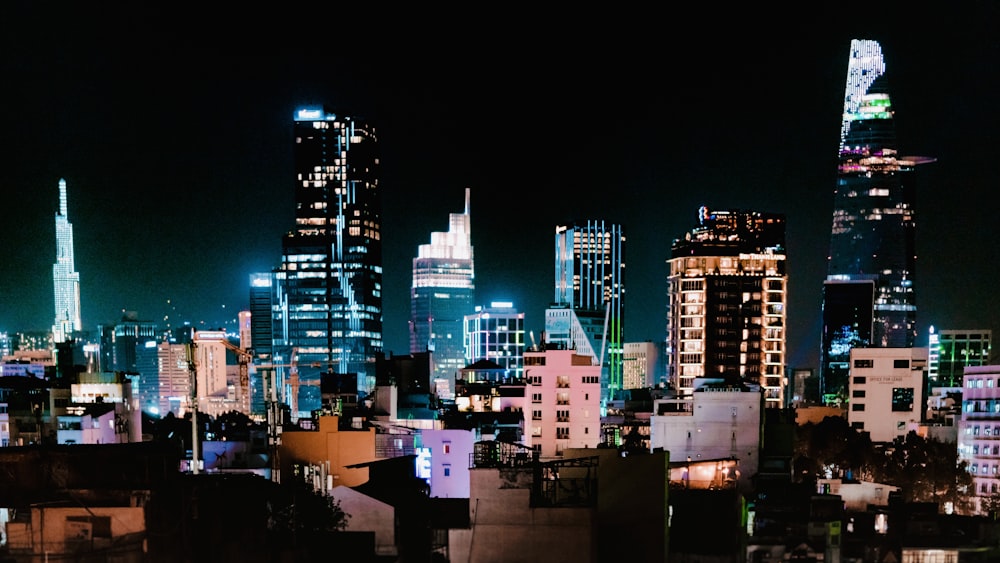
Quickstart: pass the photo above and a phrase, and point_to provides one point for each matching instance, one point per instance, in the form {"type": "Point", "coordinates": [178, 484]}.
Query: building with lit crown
{"type": "Point", "coordinates": [727, 292]}
{"type": "Point", "coordinates": [65, 278]}
{"type": "Point", "coordinates": [442, 294]}
{"type": "Point", "coordinates": [868, 295]}
{"type": "Point", "coordinates": [496, 333]}
{"type": "Point", "coordinates": [327, 291]}
{"type": "Point", "coordinates": [587, 312]}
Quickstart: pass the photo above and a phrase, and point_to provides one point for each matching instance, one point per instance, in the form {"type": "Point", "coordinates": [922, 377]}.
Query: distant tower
{"type": "Point", "coordinates": [496, 333]}
{"type": "Point", "coordinates": [727, 294]}
{"type": "Point", "coordinates": [587, 313]}
{"type": "Point", "coordinates": [868, 296]}
{"type": "Point", "coordinates": [65, 278]}
{"type": "Point", "coordinates": [951, 351]}
{"type": "Point", "coordinates": [442, 294]}
{"type": "Point", "coordinates": [327, 300]}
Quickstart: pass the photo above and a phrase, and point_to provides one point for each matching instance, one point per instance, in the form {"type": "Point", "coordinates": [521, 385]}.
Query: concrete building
{"type": "Point", "coordinates": [979, 428]}
{"type": "Point", "coordinates": [717, 421]}
{"type": "Point", "coordinates": [445, 455]}
{"type": "Point", "coordinates": [565, 401]}
{"type": "Point", "coordinates": [887, 391]}
{"type": "Point", "coordinates": [329, 445]}
{"type": "Point", "coordinates": [643, 365]}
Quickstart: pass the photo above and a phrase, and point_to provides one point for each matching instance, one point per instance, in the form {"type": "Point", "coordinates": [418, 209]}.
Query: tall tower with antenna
{"type": "Point", "coordinates": [65, 278]}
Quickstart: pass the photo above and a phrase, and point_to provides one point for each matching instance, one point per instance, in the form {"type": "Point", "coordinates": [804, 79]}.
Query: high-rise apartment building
{"type": "Point", "coordinates": [951, 351]}
{"type": "Point", "coordinates": [868, 295]}
{"type": "Point", "coordinates": [496, 333]}
{"type": "Point", "coordinates": [65, 278]}
{"type": "Point", "coordinates": [587, 312]}
{"type": "Point", "coordinates": [442, 294]}
{"type": "Point", "coordinates": [327, 300]}
{"type": "Point", "coordinates": [727, 291]}
{"type": "Point", "coordinates": [642, 365]}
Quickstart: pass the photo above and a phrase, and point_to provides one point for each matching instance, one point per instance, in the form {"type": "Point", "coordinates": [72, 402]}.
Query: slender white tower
{"type": "Point", "coordinates": [65, 278]}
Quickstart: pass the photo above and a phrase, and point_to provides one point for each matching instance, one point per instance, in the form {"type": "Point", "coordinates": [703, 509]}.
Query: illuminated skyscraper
{"type": "Point", "coordinates": [442, 294]}
{"type": "Point", "coordinates": [951, 351]}
{"type": "Point", "coordinates": [868, 296]}
{"type": "Point", "coordinates": [587, 313]}
{"type": "Point", "coordinates": [496, 333]}
{"type": "Point", "coordinates": [327, 301]}
{"type": "Point", "coordinates": [65, 278]}
{"type": "Point", "coordinates": [727, 290]}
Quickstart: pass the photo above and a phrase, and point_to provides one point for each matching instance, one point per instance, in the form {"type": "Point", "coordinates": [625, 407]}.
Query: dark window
{"type": "Point", "coordinates": [902, 399]}
{"type": "Point", "coordinates": [858, 394]}
{"type": "Point", "coordinates": [864, 363]}
{"type": "Point", "coordinates": [901, 363]}
{"type": "Point", "coordinates": [857, 406]}
{"type": "Point", "coordinates": [858, 425]}
{"type": "Point", "coordinates": [860, 380]}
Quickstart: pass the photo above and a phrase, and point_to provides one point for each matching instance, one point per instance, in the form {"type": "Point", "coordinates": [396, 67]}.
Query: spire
{"type": "Point", "coordinates": [62, 198]}
{"type": "Point", "coordinates": [466, 201]}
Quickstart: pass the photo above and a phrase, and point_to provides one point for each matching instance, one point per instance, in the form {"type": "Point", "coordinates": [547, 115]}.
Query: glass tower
{"type": "Point", "coordinates": [951, 351]}
{"type": "Point", "coordinates": [496, 333]}
{"type": "Point", "coordinates": [868, 295]}
{"type": "Point", "coordinates": [327, 301]}
{"type": "Point", "coordinates": [587, 313]}
{"type": "Point", "coordinates": [65, 278]}
{"type": "Point", "coordinates": [442, 294]}
{"type": "Point", "coordinates": [727, 291]}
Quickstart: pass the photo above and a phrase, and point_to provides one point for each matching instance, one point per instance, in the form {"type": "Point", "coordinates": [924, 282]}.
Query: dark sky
{"type": "Point", "coordinates": [175, 140]}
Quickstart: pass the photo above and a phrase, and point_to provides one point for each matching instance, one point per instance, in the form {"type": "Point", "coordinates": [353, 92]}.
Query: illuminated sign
{"type": "Point", "coordinates": [423, 463]}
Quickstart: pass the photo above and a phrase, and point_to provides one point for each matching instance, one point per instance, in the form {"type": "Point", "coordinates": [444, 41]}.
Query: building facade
{"type": "Point", "coordinates": [888, 391]}
{"type": "Point", "coordinates": [951, 351]}
{"type": "Point", "coordinates": [65, 278]}
{"type": "Point", "coordinates": [979, 429]}
{"type": "Point", "coordinates": [442, 294]}
{"type": "Point", "coordinates": [588, 307]}
{"type": "Point", "coordinates": [868, 295]}
{"type": "Point", "coordinates": [496, 333]}
{"type": "Point", "coordinates": [327, 300]}
{"type": "Point", "coordinates": [643, 365]}
{"type": "Point", "coordinates": [565, 401]}
{"type": "Point", "coordinates": [727, 292]}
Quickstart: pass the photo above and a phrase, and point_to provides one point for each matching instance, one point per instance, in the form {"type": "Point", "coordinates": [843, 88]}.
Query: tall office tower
{"type": "Point", "coordinates": [128, 335]}
{"type": "Point", "coordinates": [587, 314]}
{"type": "Point", "coordinates": [643, 365]}
{"type": "Point", "coordinates": [951, 351]}
{"type": "Point", "coordinates": [868, 295]}
{"type": "Point", "coordinates": [496, 333]}
{"type": "Point", "coordinates": [727, 291]}
{"type": "Point", "coordinates": [260, 340]}
{"type": "Point", "coordinates": [442, 294]}
{"type": "Point", "coordinates": [65, 278]}
{"type": "Point", "coordinates": [328, 288]}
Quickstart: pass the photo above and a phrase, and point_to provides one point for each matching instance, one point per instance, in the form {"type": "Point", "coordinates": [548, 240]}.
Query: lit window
{"type": "Point", "coordinates": [446, 448]}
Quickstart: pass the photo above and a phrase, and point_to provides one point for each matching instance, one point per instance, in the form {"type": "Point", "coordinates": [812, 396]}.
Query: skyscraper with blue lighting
{"type": "Point", "coordinates": [587, 312]}
{"type": "Point", "coordinates": [868, 296]}
{"type": "Point", "coordinates": [442, 294]}
{"type": "Point", "coordinates": [327, 292]}
{"type": "Point", "coordinates": [65, 278]}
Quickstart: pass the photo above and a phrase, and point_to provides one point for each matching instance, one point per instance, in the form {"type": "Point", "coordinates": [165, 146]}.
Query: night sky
{"type": "Point", "coordinates": [176, 142]}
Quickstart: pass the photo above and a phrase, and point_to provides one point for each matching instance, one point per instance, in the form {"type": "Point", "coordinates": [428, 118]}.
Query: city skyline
{"type": "Point", "coordinates": [181, 176]}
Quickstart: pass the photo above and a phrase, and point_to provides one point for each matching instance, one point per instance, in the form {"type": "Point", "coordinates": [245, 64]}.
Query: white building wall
{"type": "Point", "coordinates": [710, 424]}
{"type": "Point", "coordinates": [886, 387]}
{"type": "Point", "coordinates": [565, 401]}
{"type": "Point", "coordinates": [451, 452]}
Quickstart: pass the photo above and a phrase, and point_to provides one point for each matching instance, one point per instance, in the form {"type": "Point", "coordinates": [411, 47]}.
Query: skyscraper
{"type": "Point", "coordinates": [442, 294]}
{"type": "Point", "coordinates": [496, 333]}
{"type": "Point", "coordinates": [727, 291]}
{"type": "Point", "coordinates": [327, 301]}
{"type": "Point", "coordinates": [65, 278]}
{"type": "Point", "coordinates": [951, 351]}
{"type": "Point", "coordinates": [587, 313]}
{"type": "Point", "coordinates": [868, 295]}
